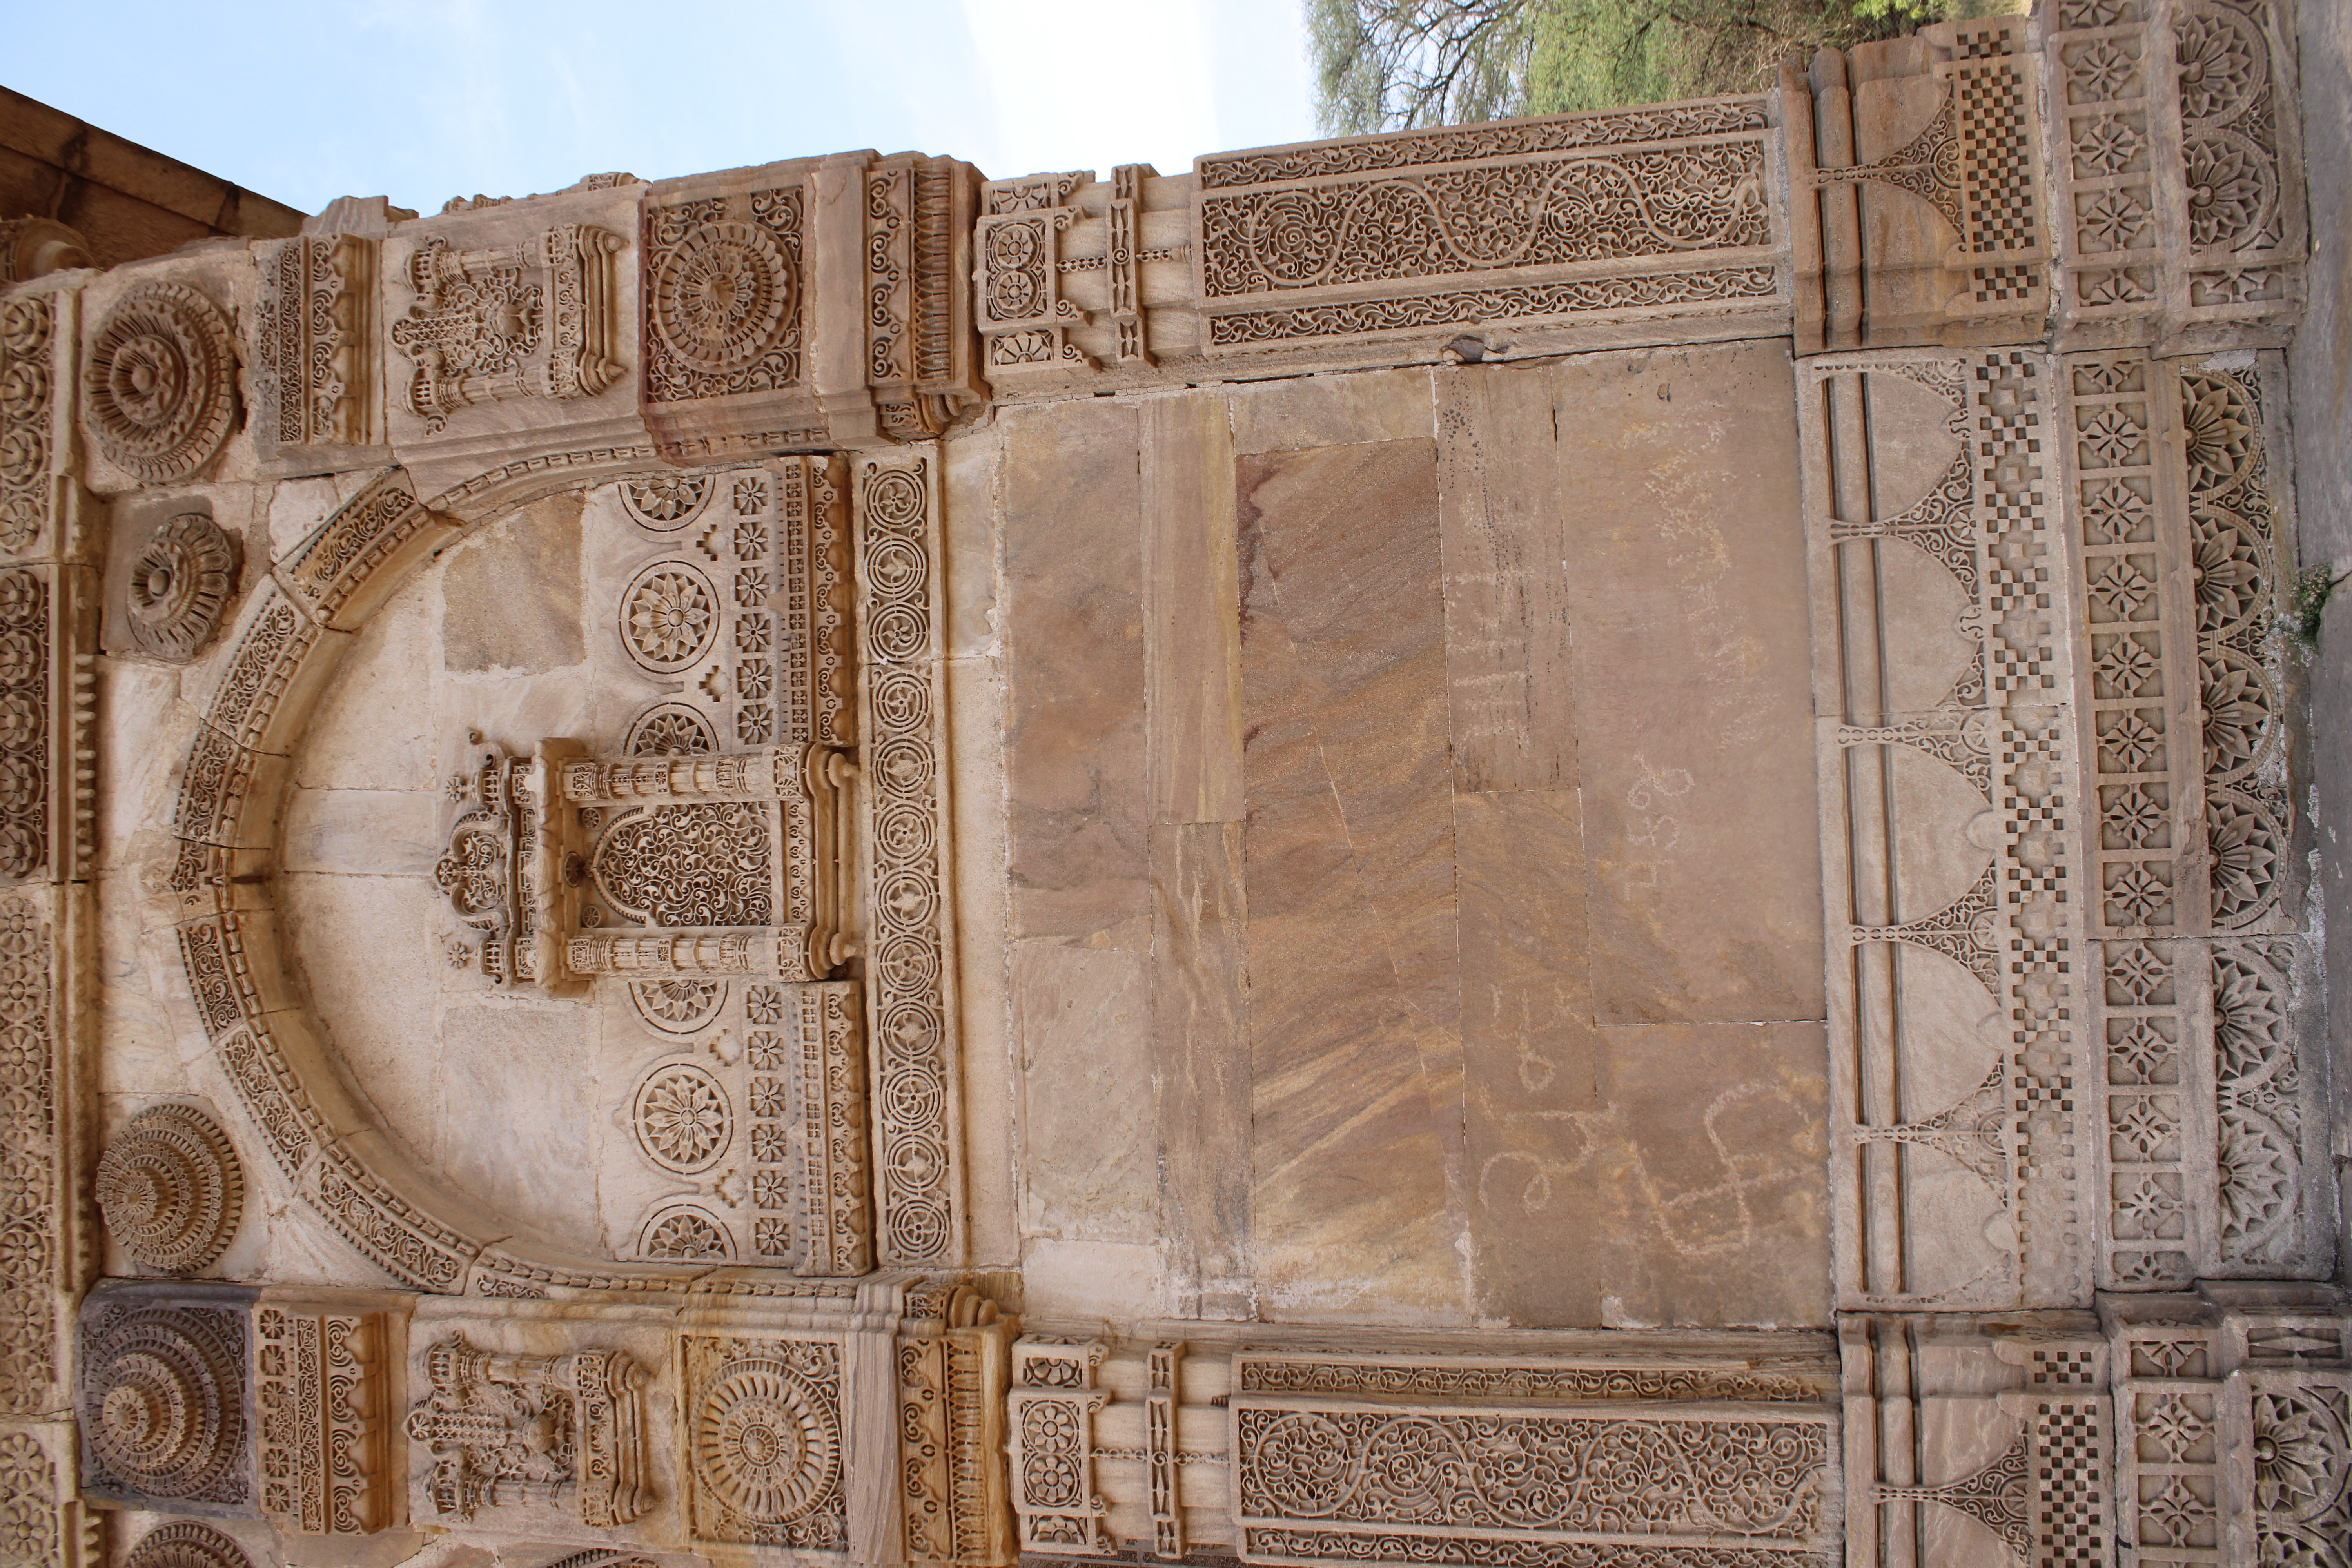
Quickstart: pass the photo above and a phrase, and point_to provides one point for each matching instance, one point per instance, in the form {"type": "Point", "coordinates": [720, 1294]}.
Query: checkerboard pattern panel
{"type": "Point", "coordinates": [2069, 1486]}
{"type": "Point", "coordinates": [1999, 155]}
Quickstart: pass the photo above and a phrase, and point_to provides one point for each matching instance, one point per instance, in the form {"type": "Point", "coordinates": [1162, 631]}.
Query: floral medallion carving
{"type": "Point", "coordinates": [171, 1189]}
{"type": "Point", "coordinates": [683, 1118]}
{"type": "Point", "coordinates": [670, 617]}
{"type": "Point", "coordinates": [765, 1442]}
{"type": "Point", "coordinates": [29, 1519]}
{"type": "Point", "coordinates": [721, 295]}
{"type": "Point", "coordinates": [670, 730]}
{"type": "Point", "coordinates": [163, 1403]}
{"type": "Point", "coordinates": [186, 1544]}
{"type": "Point", "coordinates": [685, 1234]}
{"type": "Point", "coordinates": [179, 586]}
{"type": "Point", "coordinates": [677, 1005]}
{"type": "Point", "coordinates": [665, 503]}
{"type": "Point", "coordinates": [161, 386]}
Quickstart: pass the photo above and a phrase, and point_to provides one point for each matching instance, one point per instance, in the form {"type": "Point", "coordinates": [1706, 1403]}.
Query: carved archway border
{"type": "Point", "coordinates": [289, 639]}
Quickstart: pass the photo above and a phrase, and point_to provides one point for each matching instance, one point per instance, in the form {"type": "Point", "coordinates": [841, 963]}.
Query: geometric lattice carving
{"type": "Point", "coordinates": [171, 1189]}
{"type": "Point", "coordinates": [1050, 1417]}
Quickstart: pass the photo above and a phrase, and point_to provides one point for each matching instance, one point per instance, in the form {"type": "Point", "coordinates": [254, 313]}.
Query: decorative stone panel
{"type": "Point", "coordinates": [506, 1429]}
{"type": "Point", "coordinates": [1975, 1441]}
{"type": "Point", "coordinates": [1919, 207]}
{"type": "Point", "coordinates": [184, 1543]}
{"type": "Point", "coordinates": [159, 382]}
{"type": "Point", "coordinates": [317, 378]}
{"type": "Point", "coordinates": [768, 1438]}
{"type": "Point", "coordinates": [325, 1392]}
{"type": "Point", "coordinates": [171, 1188]}
{"type": "Point", "coordinates": [163, 1396]}
{"type": "Point", "coordinates": [2177, 162]}
{"type": "Point", "coordinates": [48, 757]}
{"type": "Point", "coordinates": [910, 965]}
{"type": "Point", "coordinates": [37, 369]}
{"type": "Point", "coordinates": [952, 1378]}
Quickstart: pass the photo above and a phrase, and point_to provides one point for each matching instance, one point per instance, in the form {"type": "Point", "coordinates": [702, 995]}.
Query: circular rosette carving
{"type": "Point", "coordinates": [2233, 190]}
{"type": "Point", "coordinates": [723, 297]}
{"type": "Point", "coordinates": [670, 617]}
{"type": "Point", "coordinates": [665, 503]}
{"type": "Point", "coordinates": [767, 1445]}
{"type": "Point", "coordinates": [171, 1189]}
{"type": "Point", "coordinates": [894, 500]}
{"type": "Point", "coordinates": [180, 585]}
{"type": "Point", "coordinates": [2232, 569]}
{"type": "Point", "coordinates": [2222, 63]}
{"type": "Point", "coordinates": [2219, 423]}
{"type": "Point", "coordinates": [2239, 708]}
{"type": "Point", "coordinates": [2303, 1468]}
{"type": "Point", "coordinates": [2248, 852]}
{"type": "Point", "coordinates": [186, 1544]}
{"type": "Point", "coordinates": [670, 730]}
{"type": "Point", "coordinates": [685, 1235]}
{"type": "Point", "coordinates": [683, 1118]}
{"type": "Point", "coordinates": [161, 383]}
{"type": "Point", "coordinates": [1015, 275]}
{"type": "Point", "coordinates": [161, 1403]}
{"type": "Point", "coordinates": [676, 1006]}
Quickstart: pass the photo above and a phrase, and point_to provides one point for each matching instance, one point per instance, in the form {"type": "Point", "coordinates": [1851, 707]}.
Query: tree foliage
{"type": "Point", "coordinates": [1392, 64]}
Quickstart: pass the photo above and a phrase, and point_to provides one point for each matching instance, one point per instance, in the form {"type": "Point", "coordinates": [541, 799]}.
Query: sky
{"type": "Point", "coordinates": [425, 99]}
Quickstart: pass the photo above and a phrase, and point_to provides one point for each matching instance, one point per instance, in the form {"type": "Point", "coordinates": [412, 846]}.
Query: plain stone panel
{"type": "Point", "coordinates": [1202, 1064]}
{"type": "Point", "coordinates": [390, 833]}
{"type": "Point", "coordinates": [512, 1059]}
{"type": "Point", "coordinates": [1345, 409]}
{"type": "Point", "coordinates": [375, 727]}
{"type": "Point", "coordinates": [511, 598]}
{"type": "Point", "coordinates": [1082, 1023]}
{"type": "Point", "coordinates": [1355, 1052]}
{"type": "Point", "coordinates": [1688, 603]}
{"type": "Point", "coordinates": [1074, 669]}
{"type": "Point", "coordinates": [1508, 636]}
{"type": "Point", "coordinates": [1193, 619]}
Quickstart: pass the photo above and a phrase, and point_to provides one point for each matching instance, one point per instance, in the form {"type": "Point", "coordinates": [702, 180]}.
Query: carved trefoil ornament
{"type": "Point", "coordinates": [533, 319]}
{"type": "Point", "coordinates": [162, 1399]}
{"type": "Point", "coordinates": [171, 1188]}
{"type": "Point", "coordinates": [324, 1411]}
{"type": "Point", "coordinates": [316, 372]}
{"type": "Point", "coordinates": [159, 387]}
{"type": "Point", "coordinates": [506, 1430]}
{"type": "Point", "coordinates": [767, 1443]}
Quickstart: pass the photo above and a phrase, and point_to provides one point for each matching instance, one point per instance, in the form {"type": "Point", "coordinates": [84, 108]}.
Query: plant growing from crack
{"type": "Point", "coordinates": [2313, 586]}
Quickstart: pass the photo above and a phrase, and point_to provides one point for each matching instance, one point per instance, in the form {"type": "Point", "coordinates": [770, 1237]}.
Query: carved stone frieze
{"type": "Point", "coordinates": [30, 457]}
{"type": "Point", "coordinates": [767, 1441]}
{"type": "Point", "coordinates": [49, 782]}
{"type": "Point", "coordinates": [171, 1188]}
{"type": "Point", "coordinates": [159, 386]}
{"type": "Point", "coordinates": [504, 1429]}
{"type": "Point", "coordinates": [1964, 1434]}
{"type": "Point", "coordinates": [323, 1410]}
{"type": "Point", "coordinates": [164, 1400]}
{"type": "Point", "coordinates": [908, 966]}
{"type": "Point", "coordinates": [316, 371]}
{"type": "Point", "coordinates": [953, 1373]}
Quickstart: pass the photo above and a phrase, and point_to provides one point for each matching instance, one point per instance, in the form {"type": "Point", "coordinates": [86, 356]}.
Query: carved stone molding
{"type": "Point", "coordinates": [34, 248]}
{"type": "Point", "coordinates": [1957, 1426]}
{"type": "Point", "coordinates": [953, 1372]}
{"type": "Point", "coordinates": [767, 1441]}
{"type": "Point", "coordinates": [162, 1397]}
{"type": "Point", "coordinates": [316, 371]}
{"type": "Point", "coordinates": [186, 1544]}
{"type": "Point", "coordinates": [31, 453]}
{"type": "Point", "coordinates": [504, 1429]}
{"type": "Point", "coordinates": [44, 1234]}
{"type": "Point", "coordinates": [171, 1189]}
{"type": "Point", "coordinates": [323, 1408]}
{"type": "Point", "coordinates": [160, 385]}
{"type": "Point", "coordinates": [2179, 167]}
{"type": "Point", "coordinates": [909, 964]}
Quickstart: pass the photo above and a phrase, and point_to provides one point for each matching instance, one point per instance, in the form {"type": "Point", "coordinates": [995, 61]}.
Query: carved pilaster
{"type": "Point", "coordinates": [1049, 1419]}
{"type": "Point", "coordinates": [953, 1370]}
{"type": "Point", "coordinates": [325, 1386]}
